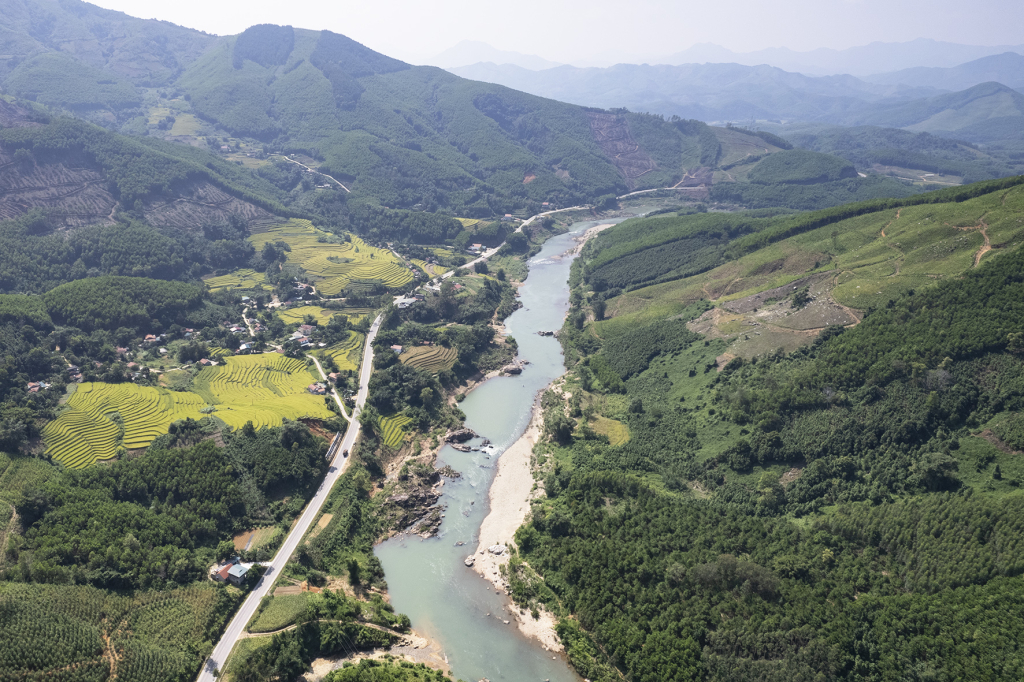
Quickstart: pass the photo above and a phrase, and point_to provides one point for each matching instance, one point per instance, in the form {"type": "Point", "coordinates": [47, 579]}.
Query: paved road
{"type": "Point", "coordinates": [334, 391]}
{"type": "Point", "coordinates": [338, 463]}
{"type": "Point", "coordinates": [236, 627]}
{"type": "Point", "coordinates": [490, 252]}
{"type": "Point", "coordinates": [314, 170]}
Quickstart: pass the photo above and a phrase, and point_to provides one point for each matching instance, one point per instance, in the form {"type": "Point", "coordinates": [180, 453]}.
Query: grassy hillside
{"type": "Point", "coordinates": [815, 483]}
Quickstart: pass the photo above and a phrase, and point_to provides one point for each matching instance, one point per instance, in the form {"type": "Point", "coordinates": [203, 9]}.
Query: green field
{"type": "Point", "coordinates": [263, 389]}
{"type": "Point", "coordinates": [867, 260]}
{"type": "Point", "coordinates": [333, 265]}
{"type": "Point", "coordinates": [280, 612]}
{"type": "Point", "coordinates": [392, 429]}
{"type": "Point", "coordinates": [239, 279]}
{"type": "Point", "coordinates": [431, 269]}
{"type": "Point", "coordinates": [617, 432]}
{"type": "Point", "coordinates": [429, 358]}
{"type": "Point", "coordinates": [346, 355]}
{"type": "Point", "coordinates": [321, 315]}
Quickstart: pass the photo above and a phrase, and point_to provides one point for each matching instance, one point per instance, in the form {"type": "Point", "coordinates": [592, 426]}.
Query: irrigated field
{"type": "Point", "coordinates": [429, 358]}
{"type": "Point", "coordinates": [331, 264]}
{"type": "Point", "coordinates": [239, 279]}
{"type": "Point", "coordinates": [392, 429]}
{"type": "Point", "coordinates": [262, 389]}
{"type": "Point", "coordinates": [346, 355]}
{"type": "Point", "coordinates": [322, 315]}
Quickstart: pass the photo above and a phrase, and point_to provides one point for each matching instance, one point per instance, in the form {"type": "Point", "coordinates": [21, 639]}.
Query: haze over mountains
{"type": "Point", "coordinates": [987, 110]}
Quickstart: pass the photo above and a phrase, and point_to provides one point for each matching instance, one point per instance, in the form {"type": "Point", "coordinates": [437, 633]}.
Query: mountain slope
{"type": "Point", "coordinates": [1006, 68]}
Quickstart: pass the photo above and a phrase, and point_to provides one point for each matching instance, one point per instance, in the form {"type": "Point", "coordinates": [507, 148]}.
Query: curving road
{"type": "Point", "coordinates": [339, 461]}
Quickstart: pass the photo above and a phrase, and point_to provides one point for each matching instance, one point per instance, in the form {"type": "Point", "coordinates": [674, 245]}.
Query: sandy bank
{"type": "Point", "coordinates": [509, 500]}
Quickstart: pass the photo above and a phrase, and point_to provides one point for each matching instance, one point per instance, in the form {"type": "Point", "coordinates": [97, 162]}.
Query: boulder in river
{"type": "Point", "coordinates": [459, 435]}
{"type": "Point", "coordinates": [470, 561]}
{"type": "Point", "coordinates": [512, 369]}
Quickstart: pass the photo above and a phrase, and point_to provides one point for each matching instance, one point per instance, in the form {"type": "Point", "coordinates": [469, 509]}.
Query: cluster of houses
{"type": "Point", "coordinates": [475, 248]}
{"type": "Point", "coordinates": [317, 389]}
{"type": "Point", "coordinates": [36, 386]}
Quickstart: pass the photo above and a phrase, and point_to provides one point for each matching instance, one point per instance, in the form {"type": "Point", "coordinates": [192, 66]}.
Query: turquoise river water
{"type": "Point", "coordinates": [427, 579]}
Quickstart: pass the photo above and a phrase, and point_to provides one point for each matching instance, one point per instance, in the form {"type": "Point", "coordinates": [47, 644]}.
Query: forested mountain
{"type": "Point", "coordinates": [809, 478]}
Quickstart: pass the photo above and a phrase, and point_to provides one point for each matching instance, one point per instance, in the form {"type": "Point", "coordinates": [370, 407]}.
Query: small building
{"type": "Point", "coordinates": [133, 365]}
{"type": "Point", "coordinates": [245, 348]}
{"type": "Point", "coordinates": [162, 351]}
{"type": "Point", "coordinates": [507, 218]}
{"type": "Point", "coordinates": [397, 349]}
{"type": "Point", "coordinates": [221, 574]}
{"type": "Point", "coordinates": [306, 329]}
{"type": "Point", "coordinates": [33, 387]}
{"type": "Point", "coordinates": [245, 299]}
{"type": "Point", "coordinates": [237, 573]}
{"type": "Point", "coordinates": [334, 376]}
{"type": "Point", "coordinates": [317, 389]}
{"type": "Point", "coordinates": [149, 340]}
{"type": "Point", "coordinates": [205, 363]}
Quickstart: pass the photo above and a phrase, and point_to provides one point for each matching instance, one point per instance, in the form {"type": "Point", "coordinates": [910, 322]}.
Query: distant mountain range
{"type": "Point", "coordinates": [985, 110]}
{"type": "Point", "coordinates": [862, 60]}
{"type": "Point", "coordinates": [1006, 68]}
{"type": "Point", "coordinates": [475, 51]}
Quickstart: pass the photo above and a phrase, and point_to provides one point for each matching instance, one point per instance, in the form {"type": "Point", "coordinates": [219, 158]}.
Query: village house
{"type": "Point", "coordinates": [317, 389]}
{"type": "Point", "coordinates": [306, 329]}
{"type": "Point", "coordinates": [237, 573]}
{"type": "Point", "coordinates": [206, 363]}
{"type": "Point", "coordinates": [397, 349]}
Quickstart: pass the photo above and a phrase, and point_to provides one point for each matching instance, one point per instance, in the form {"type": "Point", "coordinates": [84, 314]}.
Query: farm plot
{"type": "Point", "coordinates": [239, 279]}
{"type": "Point", "coordinates": [321, 315]}
{"type": "Point", "coordinates": [392, 429]}
{"type": "Point", "coordinates": [331, 263]}
{"type": "Point", "coordinates": [432, 270]}
{"type": "Point", "coordinates": [85, 433]}
{"type": "Point", "coordinates": [429, 358]}
{"type": "Point", "coordinates": [347, 354]}
{"type": "Point", "coordinates": [263, 389]}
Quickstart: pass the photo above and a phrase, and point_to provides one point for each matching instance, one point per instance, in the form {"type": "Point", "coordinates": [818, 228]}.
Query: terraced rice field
{"type": "Point", "coordinates": [332, 265]}
{"type": "Point", "coordinates": [83, 434]}
{"type": "Point", "coordinates": [262, 389]}
{"type": "Point", "coordinates": [441, 253]}
{"type": "Point", "coordinates": [298, 315]}
{"type": "Point", "coordinates": [429, 358]}
{"type": "Point", "coordinates": [431, 270]}
{"type": "Point", "coordinates": [347, 354]}
{"type": "Point", "coordinates": [392, 429]}
{"type": "Point", "coordinates": [239, 279]}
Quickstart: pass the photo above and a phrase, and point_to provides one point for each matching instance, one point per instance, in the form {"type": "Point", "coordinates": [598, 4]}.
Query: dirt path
{"type": "Point", "coordinates": [982, 227]}
{"type": "Point", "coordinates": [334, 391]}
{"type": "Point", "coordinates": [372, 626]}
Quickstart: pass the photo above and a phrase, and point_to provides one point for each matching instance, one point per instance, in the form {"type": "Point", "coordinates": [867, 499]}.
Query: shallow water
{"type": "Point", "coordinates": [427, 579]}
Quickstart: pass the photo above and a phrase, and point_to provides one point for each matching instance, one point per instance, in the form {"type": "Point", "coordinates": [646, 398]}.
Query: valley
{"type": "Point", "coordinates": [317, 364]}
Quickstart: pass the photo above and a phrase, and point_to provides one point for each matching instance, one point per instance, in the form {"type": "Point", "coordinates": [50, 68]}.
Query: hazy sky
{"type": "Point", "coordinates": [574, 31]}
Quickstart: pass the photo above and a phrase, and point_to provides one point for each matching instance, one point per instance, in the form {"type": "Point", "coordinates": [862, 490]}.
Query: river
{"type": "Point", "coordinates": [427, 579]}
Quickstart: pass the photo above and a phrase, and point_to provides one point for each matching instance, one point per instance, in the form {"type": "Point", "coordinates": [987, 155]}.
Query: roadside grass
{"type": "Point", "coordinates": [279, 613]}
